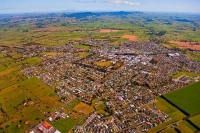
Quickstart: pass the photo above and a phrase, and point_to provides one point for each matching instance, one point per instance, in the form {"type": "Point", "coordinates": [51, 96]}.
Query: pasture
{"type": "Point", "coordinates": [186, 98]}
{"type": "Point", "coordinates": [26, 101]}
{"type": "Point", "coordinates": [196, 120]}
{"type": "Point", "coordinates": [30, 61]}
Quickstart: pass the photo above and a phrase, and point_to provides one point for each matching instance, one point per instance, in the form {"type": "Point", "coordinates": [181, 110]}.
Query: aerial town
{"type": "Point", "coordinates": [99, 66]}
{"type": "Point", "coordinates": [126, 78]}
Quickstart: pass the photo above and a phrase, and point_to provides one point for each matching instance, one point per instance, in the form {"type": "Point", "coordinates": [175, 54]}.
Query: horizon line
{"type": "Point", "coordinates": [98, 11]}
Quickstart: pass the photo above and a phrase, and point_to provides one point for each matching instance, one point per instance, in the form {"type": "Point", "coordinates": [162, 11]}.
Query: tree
{"type": "Point", "coordinates": [161, 33]}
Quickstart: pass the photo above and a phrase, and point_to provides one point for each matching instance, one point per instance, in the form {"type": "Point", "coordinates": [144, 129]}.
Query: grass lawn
{"type": "Point", "coordinates": [196, 120]}
{"type": "Point", "coordinates": [187, 98]}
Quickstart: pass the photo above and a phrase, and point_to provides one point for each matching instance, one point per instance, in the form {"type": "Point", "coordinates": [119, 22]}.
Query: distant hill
{"type": "Point", "coordinates": [86, 14]}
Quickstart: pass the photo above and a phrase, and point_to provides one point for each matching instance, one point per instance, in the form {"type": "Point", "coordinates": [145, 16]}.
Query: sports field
{"type": "Point", "coordinates": [186, 98]}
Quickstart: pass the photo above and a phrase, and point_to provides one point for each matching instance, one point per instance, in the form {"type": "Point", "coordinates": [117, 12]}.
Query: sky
{"type": "Point", "coordinates": [28, 6]}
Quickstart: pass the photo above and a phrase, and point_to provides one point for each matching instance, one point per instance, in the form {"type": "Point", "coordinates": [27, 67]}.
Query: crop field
{"type": "Point", "coordinates": [191, 45]}
{"type": "Point", "coordinates": [130, 37]}
{"type": "Point", "coordinates": [186, 98]}
{"type": "Point", "coordinates": [11, 79]}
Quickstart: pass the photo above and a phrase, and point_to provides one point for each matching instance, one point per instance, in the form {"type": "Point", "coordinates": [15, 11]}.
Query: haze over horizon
{"type": "Point", "coordinates": [29, 6]}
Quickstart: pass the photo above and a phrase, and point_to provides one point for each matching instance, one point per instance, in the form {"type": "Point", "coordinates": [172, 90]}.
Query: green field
{"type": "Point", "coordinates": [185, 127]}
{"type": "Point", "coordinates": [30, 61]}
{"type": "Point", "coordinates": [196, 120]}
{"type": "Point", "coordinates": [173, 112]}
{"type": "Point", "coordinates": [82, 47]}
{"type": "Point", "coordinates": [76, 111]}
{"type": "Point", "coordinates": [38, 98]}
{"type": "Point", "coordinates": [186, 98]}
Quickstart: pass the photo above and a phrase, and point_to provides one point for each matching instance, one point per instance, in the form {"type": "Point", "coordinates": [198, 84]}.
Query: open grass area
{"type": "Point", "coordinates": [82, 54]}
{"type": "Point", "coordinates": [52, 53]}
{"type": "Point", "coordinates": [82, 47]}
{"type": "Point", "coordinates": [186, 98]}
{"type": "Point", "coordinates": [26, 101]}
{"type": "Point", "coordinates": [16, 56]}
{"type": "Point", "coordinates": [103, 63]}
{"type": "Point", "coordinates": [83, 108]}
{"type": "Point", "coordinates": [196, 120]}
{"type": "Point", "coordinates": [99, 105]}
{"type": "Point", "coordinates": [65, 125]}
{"type": "Point", "coordinates": [190, 74]}
{"type": "Point", "coordinates": [76, 111]}
{"type": "Point", "coordinates": [30, 61]}
{"type": "Point", "coordinates": [195, 56]}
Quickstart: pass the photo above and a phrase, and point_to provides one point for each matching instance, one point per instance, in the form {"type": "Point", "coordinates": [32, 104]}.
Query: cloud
{"type": "Point", "coordinates": [86, 1]}
{"type": "Point", "coordinates": [123, 2]}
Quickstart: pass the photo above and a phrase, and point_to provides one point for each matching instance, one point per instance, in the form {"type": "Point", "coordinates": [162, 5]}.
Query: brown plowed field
{"type": "Point", "coordinates": [191, 45]}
